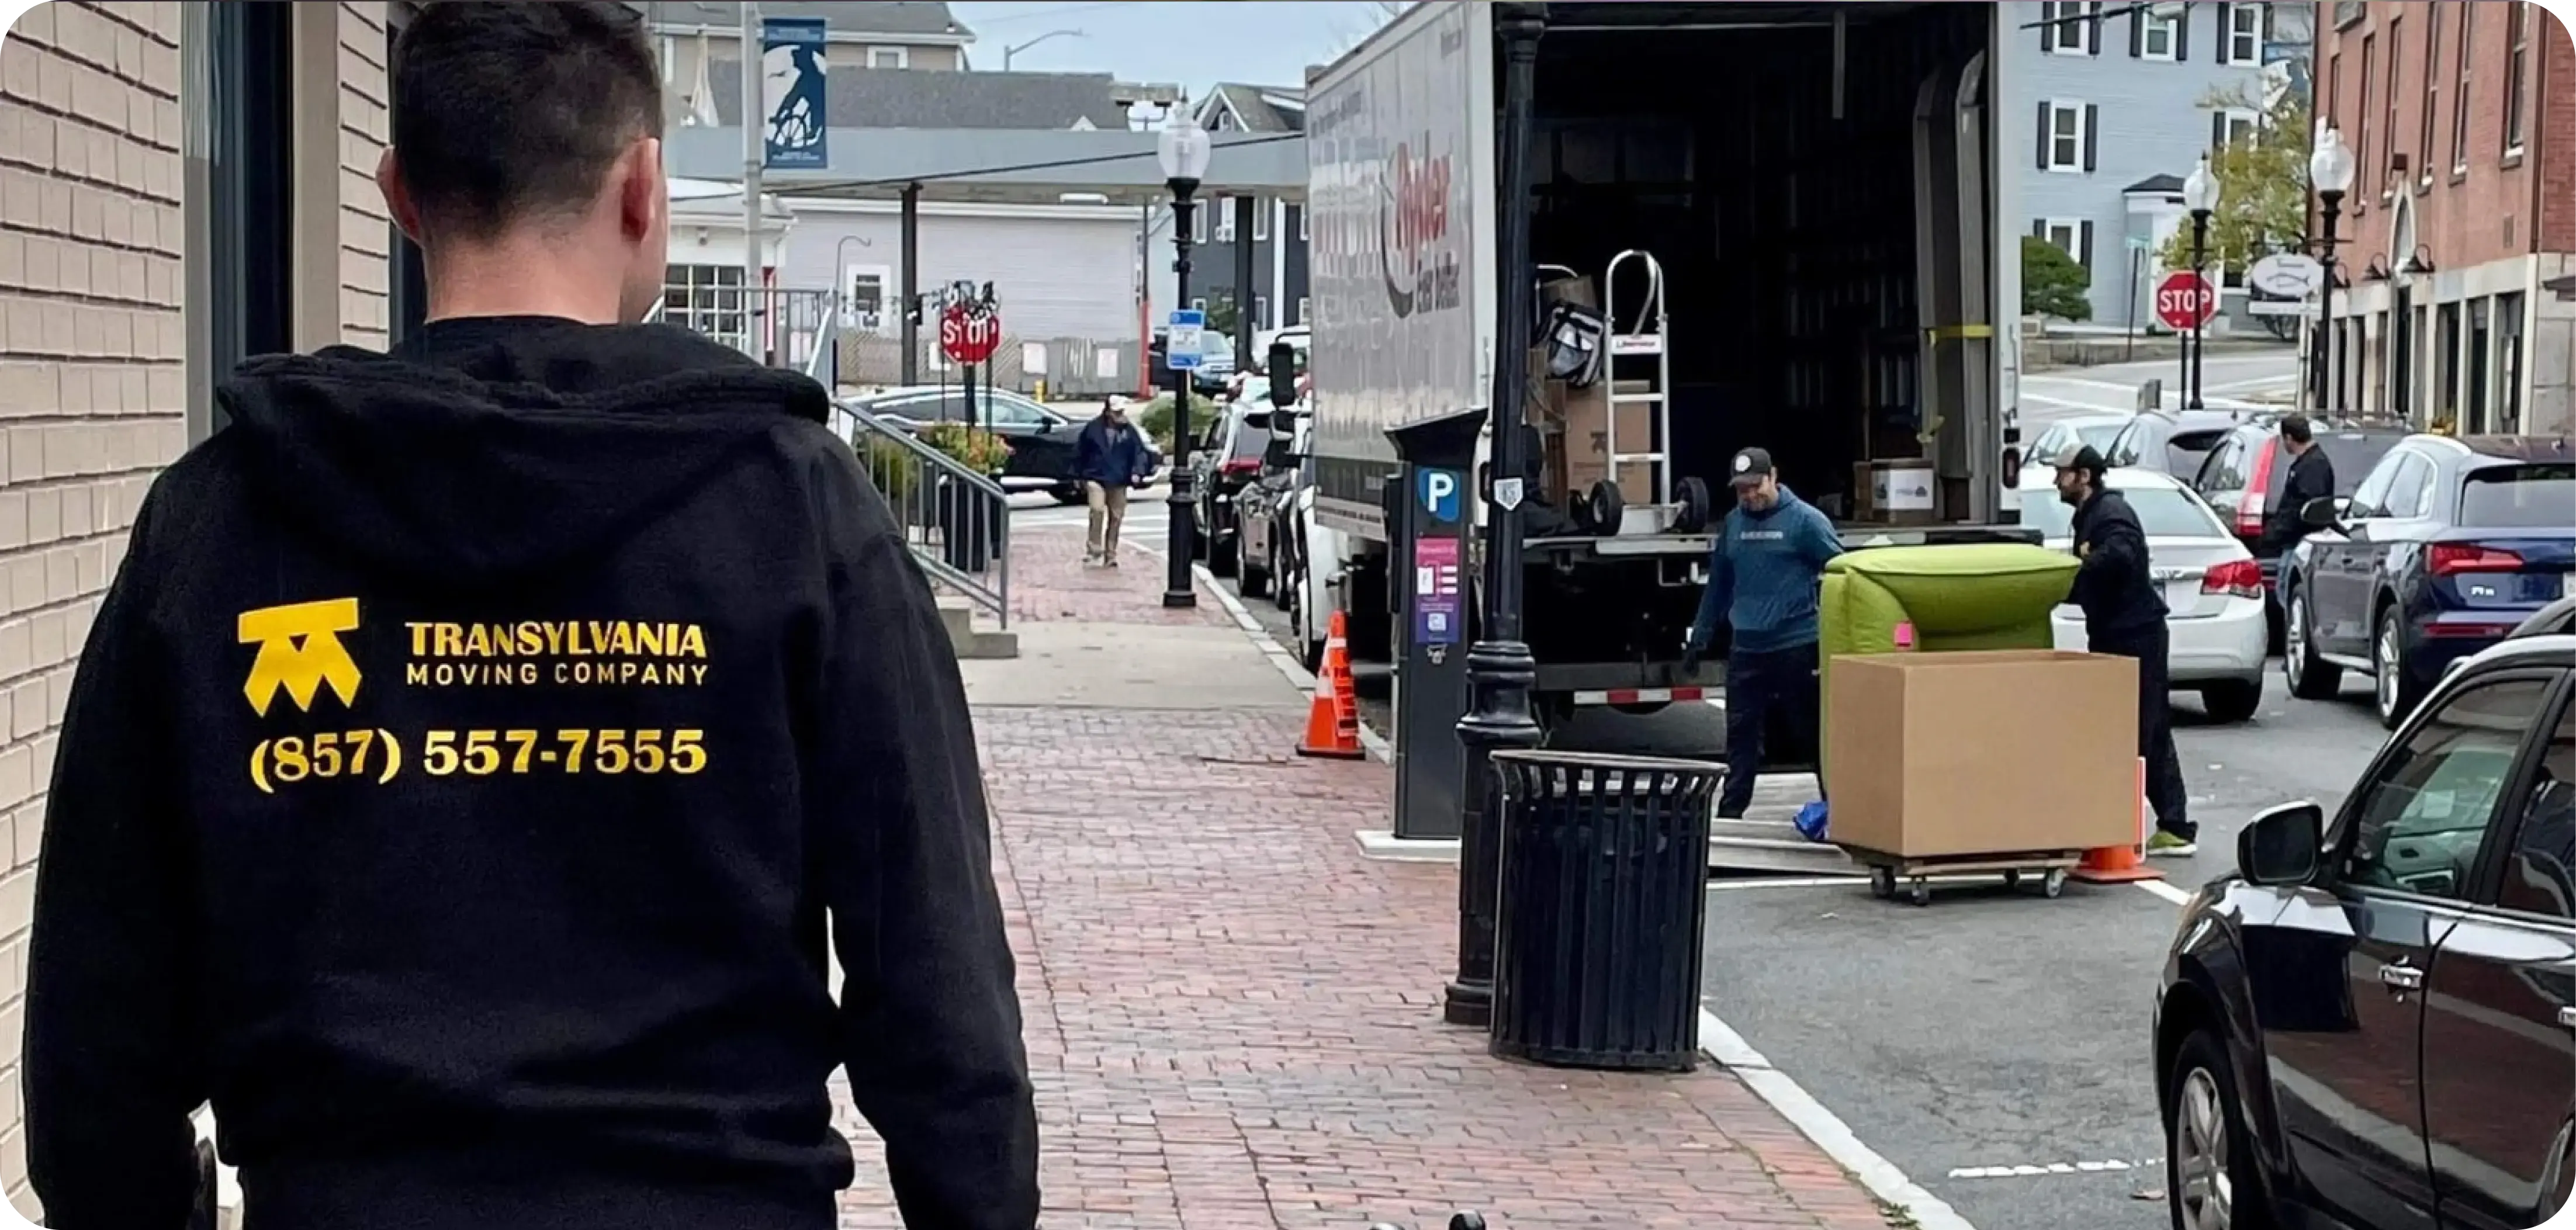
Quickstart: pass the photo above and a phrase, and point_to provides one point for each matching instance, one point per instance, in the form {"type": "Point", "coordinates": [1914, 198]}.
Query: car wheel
{"type": "Point", "coordinates": [2211, 1179]}
{"type": "Point", "coordinates": [2232, 700]}
{"type": "Point", "coordinates": [2309, 678]}
{"type": "Point", "coordinates": [1251, 582]}
{"type": "Point", "coordinates": [1069, 496]}
{"type": "Point", "coordinates": [2393, 694]}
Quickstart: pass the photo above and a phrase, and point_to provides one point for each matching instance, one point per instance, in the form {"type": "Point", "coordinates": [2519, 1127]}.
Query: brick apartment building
{"type": "Point", "coordinates": [181, 185]}
{"type": "Point", "coordinates": [2459, 252]}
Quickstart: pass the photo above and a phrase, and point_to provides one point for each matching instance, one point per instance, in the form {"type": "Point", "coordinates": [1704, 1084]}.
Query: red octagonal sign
{"type": "Point", "coordinates": [2185, 299]}
{"type": "Point", "coordinates": [969, 334]}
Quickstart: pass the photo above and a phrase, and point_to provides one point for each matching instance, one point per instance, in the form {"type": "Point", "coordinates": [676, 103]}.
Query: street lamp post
{"type": "Point", "coordinates": [2200, 196]}
{"type": "Point", "coordinates": [1500, 670]}
{"type": "Point", "coordinates": [2330, 171]}
{"type": "Point", "coordinates": [1017, 48]}
{"type": "Point", "coordinates": [1182, 147]}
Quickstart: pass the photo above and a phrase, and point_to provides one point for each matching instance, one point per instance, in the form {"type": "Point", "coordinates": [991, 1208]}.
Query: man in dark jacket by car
{"type": "Point", "coordinates": [2124, 615]}
{"type": "Point", "coordinates": [487, 749]}
{"type": "Point", "coordinates": [1109, 457]}
{"type": "Point", "coordinates": [2311, 477]}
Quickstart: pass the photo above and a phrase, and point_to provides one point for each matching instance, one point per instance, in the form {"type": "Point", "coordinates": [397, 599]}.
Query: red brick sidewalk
{"type": "Point", "coordinates": [1233, 1019]}
{"type": "Point", "coordinates": [1049, 582]}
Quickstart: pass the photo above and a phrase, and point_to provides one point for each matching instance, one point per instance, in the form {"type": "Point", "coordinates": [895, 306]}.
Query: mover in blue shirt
{"type": "Point", "coordinates": [1763, 576]}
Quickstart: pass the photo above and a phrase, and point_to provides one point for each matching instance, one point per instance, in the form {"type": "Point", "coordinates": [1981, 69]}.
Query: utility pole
{"type": "Point", "coordinates": [755, 127]}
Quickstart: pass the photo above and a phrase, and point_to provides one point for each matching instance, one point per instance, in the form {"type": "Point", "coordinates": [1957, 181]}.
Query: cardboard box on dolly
{"type": "Point", "coordinates": [1931, 755]}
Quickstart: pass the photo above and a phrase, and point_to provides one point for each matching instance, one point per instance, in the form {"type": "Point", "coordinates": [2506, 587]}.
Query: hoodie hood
{"type": "Point", "coordinates": [488, 448]}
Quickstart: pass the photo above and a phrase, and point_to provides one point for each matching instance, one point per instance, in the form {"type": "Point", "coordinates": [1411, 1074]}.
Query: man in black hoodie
{"type": "Point", "coordinates": [2125, 615]}
{"type": "Point", "coordinates": [480, 742]}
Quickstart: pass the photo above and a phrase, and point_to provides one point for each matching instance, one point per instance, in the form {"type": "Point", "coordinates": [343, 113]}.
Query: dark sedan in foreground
{"type": "Point", "coordinates": [2371, 1025]}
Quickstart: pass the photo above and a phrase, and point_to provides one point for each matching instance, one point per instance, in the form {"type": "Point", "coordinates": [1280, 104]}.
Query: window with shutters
{"type": "Point", "coordinates": [2460, 95]}
{"type": "Point", "coordinates": [2245, 33]}
{"type": "Point", "coordinates": [2516, 74]}
{"type": "Point", "coordinates": [2067, 141]}
{"type": "Point", "coordinates": [2235, 126]}
{"type": "Point", "coordinates": [2071, 27]}
{"type": "Point", "coordinates": [2072, 236]}
{"type": "Point", "coordinates": [2159, 34]}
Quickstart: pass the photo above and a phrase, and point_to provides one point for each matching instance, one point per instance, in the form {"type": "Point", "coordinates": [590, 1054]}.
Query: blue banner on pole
{"type": "Point", "coordinates": [793, 94]}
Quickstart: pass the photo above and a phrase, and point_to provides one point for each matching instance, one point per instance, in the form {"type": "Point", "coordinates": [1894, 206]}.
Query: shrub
{"type": "Point", "coordinates": [981, 451]}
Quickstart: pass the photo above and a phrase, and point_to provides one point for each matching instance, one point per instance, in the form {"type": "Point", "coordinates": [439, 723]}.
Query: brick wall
{"type": "Point", "coordinates": [2557, 118]}
{"type": "Point", "coordinates": [93, 385]}
{"type": "Point", "coordinates": [2487, 211]}
{"type": "Point", "coordinates": [92, 397]}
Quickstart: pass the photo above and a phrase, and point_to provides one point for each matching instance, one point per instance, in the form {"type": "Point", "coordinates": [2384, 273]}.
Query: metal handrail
{"type": "Point", "coordinates": [957, 523]}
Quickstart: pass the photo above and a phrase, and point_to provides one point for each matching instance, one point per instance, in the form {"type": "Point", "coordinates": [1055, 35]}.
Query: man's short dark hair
{"type": "Point", "coordinates": [511, 112]}
{"type": "Point", "coordinates": [2294, 428]}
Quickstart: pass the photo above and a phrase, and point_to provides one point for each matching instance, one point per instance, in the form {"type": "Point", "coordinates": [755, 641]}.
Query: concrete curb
{"type": "Point", "coordinates": [1289, 667]}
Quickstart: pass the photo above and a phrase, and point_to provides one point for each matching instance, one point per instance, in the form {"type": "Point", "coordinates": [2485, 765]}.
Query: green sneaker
{"type": "Point", "coordinates": [2162, 844]}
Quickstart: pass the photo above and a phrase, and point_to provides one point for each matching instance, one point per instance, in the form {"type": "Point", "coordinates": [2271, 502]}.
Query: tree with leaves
{"type": "Point", "coordinates": [2052, 284]}
{"type": "Point", "coordinates": [2262, 188]}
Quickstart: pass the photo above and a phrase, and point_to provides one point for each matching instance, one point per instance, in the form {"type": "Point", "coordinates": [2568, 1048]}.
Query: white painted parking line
{"type": "Point", "coordinates": [2166, 889]}
{"type": "Point", "coordinates": [1824, 1127]}
{"type": "Point", "coordinates": [2108, 1166]}
{"type": "Point", "coordinates": [1791, 882]}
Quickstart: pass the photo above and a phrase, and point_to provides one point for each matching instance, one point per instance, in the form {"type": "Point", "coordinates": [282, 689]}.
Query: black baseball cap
{"type": "Point", "coordinates": [1751, 466]}
{"type": "Point", "coordinates": [2083, 457]}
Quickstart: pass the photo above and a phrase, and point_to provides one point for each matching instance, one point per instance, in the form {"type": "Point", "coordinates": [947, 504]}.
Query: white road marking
{"type": "Point", "coordinates": [2108, 1166]}
{"type": "Point", "coordinates": [2166, 889]}
{"type": "Point", "coordinates": [1826, 1129]}
{"type": "Point", "coordinates": [1790, 882]}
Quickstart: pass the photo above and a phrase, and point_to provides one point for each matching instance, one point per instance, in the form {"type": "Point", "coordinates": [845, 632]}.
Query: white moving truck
{"type": "Point", "coordinates": [1815, 183]}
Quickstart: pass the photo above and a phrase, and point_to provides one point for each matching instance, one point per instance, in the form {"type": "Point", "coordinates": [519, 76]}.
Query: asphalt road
{"type": "Point", "coordinates": [2236, 378]}
{"type": "Point", "coordinates": [1992, 1029]}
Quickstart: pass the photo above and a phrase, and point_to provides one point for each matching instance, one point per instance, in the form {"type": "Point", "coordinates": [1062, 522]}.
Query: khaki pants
{"type": "Point", "coordinates": [1108, 511]}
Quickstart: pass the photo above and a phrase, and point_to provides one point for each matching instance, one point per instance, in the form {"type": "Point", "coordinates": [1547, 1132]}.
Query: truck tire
{"type": "Point", "coordinates": [1605, 506]}
{"type": "Point", "coordinates": [1696, 505]}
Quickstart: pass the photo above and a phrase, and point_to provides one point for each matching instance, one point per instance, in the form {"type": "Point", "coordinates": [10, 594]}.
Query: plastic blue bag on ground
{"type": "Point", "coordinates": [1811, 821]}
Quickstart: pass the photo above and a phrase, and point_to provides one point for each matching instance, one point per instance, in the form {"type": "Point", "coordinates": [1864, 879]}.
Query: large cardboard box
{"type": "Point", "coordinates": [2000, 752]}
{"type": "Point", "coordinates": [1587, 439]}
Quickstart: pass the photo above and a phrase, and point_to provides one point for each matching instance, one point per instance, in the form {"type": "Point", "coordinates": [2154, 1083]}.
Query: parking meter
{"type": "Point", "coordinates": [1431, 581]}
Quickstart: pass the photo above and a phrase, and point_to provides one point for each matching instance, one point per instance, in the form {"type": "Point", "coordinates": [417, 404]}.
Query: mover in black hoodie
{"type": "Point", "coordinates": [457, 783]}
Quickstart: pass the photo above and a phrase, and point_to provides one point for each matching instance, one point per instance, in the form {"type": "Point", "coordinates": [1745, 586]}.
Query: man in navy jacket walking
{"type": "Point", "coordinates": [1109, 457]}
{"type": "Point", "coordinates": [1763, 576]}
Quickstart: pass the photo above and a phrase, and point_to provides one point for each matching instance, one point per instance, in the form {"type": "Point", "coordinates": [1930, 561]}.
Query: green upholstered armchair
{"type": "Point", "coordinates": [1957, 597]}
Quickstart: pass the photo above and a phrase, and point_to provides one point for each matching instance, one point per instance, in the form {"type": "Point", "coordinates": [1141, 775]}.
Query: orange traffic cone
{"type": "Point", "coordinates": [1333, 721]}
{"type": "Point", "coordinates": [2122, 864]}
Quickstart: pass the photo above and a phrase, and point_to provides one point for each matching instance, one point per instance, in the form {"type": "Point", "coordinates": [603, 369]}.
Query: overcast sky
{"type": "Point", "coordinates": [1190, 43]}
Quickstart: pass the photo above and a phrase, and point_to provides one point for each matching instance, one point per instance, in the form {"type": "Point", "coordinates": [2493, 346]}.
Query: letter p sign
{"type": "Point", "coordinates": [1440, 496]}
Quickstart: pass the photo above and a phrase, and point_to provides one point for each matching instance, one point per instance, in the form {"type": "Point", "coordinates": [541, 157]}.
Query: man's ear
{"type": "Point", "coordinates": [642, 194]}
{"type": "Point", "coordinates": [398, 203]}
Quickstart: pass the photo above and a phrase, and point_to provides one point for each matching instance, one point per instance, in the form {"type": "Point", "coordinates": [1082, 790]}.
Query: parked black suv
{"type": "Point", "coordinates": [1043, 441]}
{"type": "Point", "coordinates": [2372, 1024]}
{"type": "Point", "coordinates": [2243, 474]}
{"type": "Point", "coordinates": [1225, 460]}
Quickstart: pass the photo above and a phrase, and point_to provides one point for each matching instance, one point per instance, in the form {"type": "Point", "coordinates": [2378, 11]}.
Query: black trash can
{"type": "Point", "coordinates": [965, 535]}
{"type": "Point", "coordinates": [1603, 892]}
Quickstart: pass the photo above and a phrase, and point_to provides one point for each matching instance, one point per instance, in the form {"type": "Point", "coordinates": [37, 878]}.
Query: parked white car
{"type": "Point", "coordinates": [2061, 434]}
{"type": "Point", "coordinates": [2210, 581]}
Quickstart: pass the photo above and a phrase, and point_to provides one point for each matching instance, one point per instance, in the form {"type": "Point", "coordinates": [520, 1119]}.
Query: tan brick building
{"type": "Point", "coordinates": [2460, 228]}
{"type": "Point", "coordinates": [180, 185]}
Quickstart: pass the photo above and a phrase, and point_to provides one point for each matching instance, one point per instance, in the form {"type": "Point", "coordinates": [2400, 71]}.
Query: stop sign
{"type": "Point", "coordinates": [968, 333]}
{"type": "Point", "coordinates": [2185, 299]}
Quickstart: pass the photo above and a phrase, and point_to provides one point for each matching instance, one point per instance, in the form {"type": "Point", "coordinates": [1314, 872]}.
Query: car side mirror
{"type": "Point", "coordinates": [2283, 846]}
{"type": "Point", "coordinates": [2320, 513]}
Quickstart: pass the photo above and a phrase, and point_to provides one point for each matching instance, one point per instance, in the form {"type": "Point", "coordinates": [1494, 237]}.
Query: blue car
{"type": "Point", "coordinates": [2445, 547]}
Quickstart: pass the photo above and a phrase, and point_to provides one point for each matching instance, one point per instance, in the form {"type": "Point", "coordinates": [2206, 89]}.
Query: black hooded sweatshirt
{"type": "Point", "coordinates": [454, 788]}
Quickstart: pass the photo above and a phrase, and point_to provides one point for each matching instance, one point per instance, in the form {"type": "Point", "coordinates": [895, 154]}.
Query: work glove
{"type": "Point", "coordinates": [1690, 659]}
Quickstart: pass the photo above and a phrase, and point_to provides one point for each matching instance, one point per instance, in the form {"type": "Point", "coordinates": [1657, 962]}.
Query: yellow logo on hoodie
{"type": "Point", "coordinates": [299, 651]}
